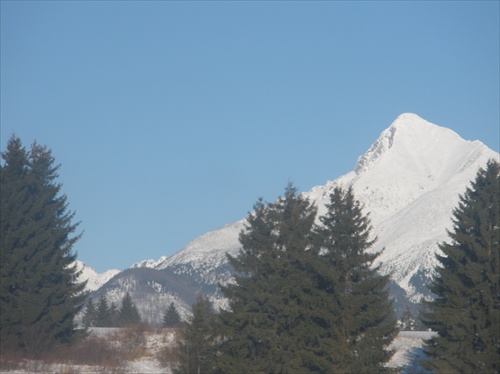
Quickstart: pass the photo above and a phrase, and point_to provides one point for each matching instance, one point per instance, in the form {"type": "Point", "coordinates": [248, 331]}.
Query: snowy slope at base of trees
{"type": "Point", "coordinates": [409, 351]}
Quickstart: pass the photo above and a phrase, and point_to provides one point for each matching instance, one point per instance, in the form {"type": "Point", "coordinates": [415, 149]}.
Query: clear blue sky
{"type": "Point", "coordinates": [170, 119]}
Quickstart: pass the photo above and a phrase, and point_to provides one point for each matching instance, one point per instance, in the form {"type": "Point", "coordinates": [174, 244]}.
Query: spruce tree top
{"type": "Point", "coordinates": [171, 317]}
{"type": "Point", "coordinates": [466, 310]}
{"type": "Point", "coordinates": [38, 289]}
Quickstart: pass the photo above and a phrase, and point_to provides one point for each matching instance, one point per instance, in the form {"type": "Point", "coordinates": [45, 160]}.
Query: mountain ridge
{"type": "Point", "coordinates": [94, 280]}
{"type": "Point", "coordinates": [408, 181]}
{"type": "Point", "coordinates": [410, 186]}
{"type": "Point", "coordinates": [414, 169]}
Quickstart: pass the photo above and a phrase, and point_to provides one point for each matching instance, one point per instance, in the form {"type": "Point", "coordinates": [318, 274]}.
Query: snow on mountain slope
{"type": "Point", "coordinates": [94, 280]}
{"type": "Point", "coordinates": [152, 291]}
{"type": "Point", "coordinates": [149, 263]}
{"type": "Point", "coordinates": [199, 254]}
{"type": "Point", "coordinates": [409, 181]}
{"type": "Point", "coordinates": [409, 159]}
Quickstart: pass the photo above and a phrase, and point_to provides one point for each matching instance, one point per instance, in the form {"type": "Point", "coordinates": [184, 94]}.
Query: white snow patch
{"type": "Point", "coordinates": [409, 351]}
{"type": "Point", "coordinates": [149, 263]}
{"type": "Point", "coordinates": [94, 279]}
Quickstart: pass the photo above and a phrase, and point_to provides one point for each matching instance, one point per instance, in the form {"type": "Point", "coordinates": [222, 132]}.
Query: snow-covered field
{"type": "Point", "coordinates": [408, 346]}
{"type": "Point", "coordinates": [153, 344]}
{"type": "Point", "coordinates": [141, 366]}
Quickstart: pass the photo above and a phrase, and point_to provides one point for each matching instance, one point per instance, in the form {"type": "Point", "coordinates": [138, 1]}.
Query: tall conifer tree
{"type": "Point", "coordinates": [39, 295]}
{"type": "Point", "coordinates": [128, 314]}
{"type": "Point", "coordinates": [90, 316]}
{"type": "Point", "coordinates": [14, 208]}
{"type": "Point", "coordinates": [359, 314]}
{"type": "Point", "coordinates": [103, 314]}
{"type": "Point", "coordinates": [266, 328]}
{"type": "Point", "coordinates": [171, 317]}
{"type": "Point", "coordinates": [466, 310]}
{"type": "Point", "coordinates": [197, 348]}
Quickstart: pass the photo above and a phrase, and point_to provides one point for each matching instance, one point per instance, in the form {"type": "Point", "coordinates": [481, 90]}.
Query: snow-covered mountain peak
{"type": "Point", "coordinates": [149, 263]}
{"type": "Point", "coordinates": [94, 280]}
{"type": "Point", "coordinates": [409, 119]}
{"type": "Point", "coordinates": [410, 140]}
{"type": "Point", "coordinates": [410, 159]}
{"type": "Point", "coordinates": [408, 181]}
{"type": "Point", "coordinates": [415, 151]}
{"type": "Point", "coordinates": [210, 248]}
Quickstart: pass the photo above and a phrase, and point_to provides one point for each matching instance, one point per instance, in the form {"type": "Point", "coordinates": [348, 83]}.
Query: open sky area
{"type": "Point", "coordinates": [171, 119]}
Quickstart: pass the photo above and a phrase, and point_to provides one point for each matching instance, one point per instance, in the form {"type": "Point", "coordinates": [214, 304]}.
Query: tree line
{"type": "Point", "coordinates": [307, 295]}
{"type": "Point", "coordinates": [102, 313]}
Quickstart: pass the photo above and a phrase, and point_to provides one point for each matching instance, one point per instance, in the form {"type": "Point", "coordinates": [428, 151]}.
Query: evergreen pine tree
{"type": "Point", "coordinates": [306, 298]}
{"type": "Point", "coordinates": [103, 313]}
{"type": "Point", "coordinates": [15, 206]}
{"type": "Point", "coordinates": [198, 346]}
{"type": "Point", "coordinates": [39, 296]}
{"type": "Point", "coordinates": [90, 316]}
{"type": "Point", "coordinates": [361, 318]}
{"type": "Point", "coordinates": [466, 310]}
{"type": "Point", "coordinates": [171, 317]}
{"type": "Point", "coordinates": [128, 313]}
{"type": "Point", "coordinates": [113, 312]}
{"type": "Point", "coordinates": [268, 326]}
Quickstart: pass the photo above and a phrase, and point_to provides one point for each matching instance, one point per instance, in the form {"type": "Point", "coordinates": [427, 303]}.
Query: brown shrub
{"type": "Point", "coordinates": [106, 353]}
{"type": "Point", "coordinates": [169, 356]}
{"type": "Point", "coordinates": [131, 340]}
{"type": "Point", "coordinates": [10, 359]}
{"type": "Point", "coordinates": [91, 351]}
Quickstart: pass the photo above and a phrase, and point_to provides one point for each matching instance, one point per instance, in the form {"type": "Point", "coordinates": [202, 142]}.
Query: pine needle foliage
{"type": "Point", "coordinates": [466, 310]}
{"type": "Point", "coordinates": [103, 313]}
{"type": "Point", "coordinates": [128, 314]}
{"type": "Point", "coordinates": [306, 298]}
{"type": "Point", "coordinates": [171, 317]}
{"type": "Point", "coordinates": [198, 344]}
{"type": "Point", "coordinates": [39, 296]}
{"type": "Point", "coordinates": [265, 329]}
{"type": "Point", "coordinates": [362, 317]}
{"type": "Point", "coordinates": [90, 315]}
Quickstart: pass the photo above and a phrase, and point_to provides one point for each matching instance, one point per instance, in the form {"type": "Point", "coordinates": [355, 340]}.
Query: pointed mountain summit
{"type": "Point", "coordinates": [409, 181]}
{"type": "Point", "coordinates": [410, 139]}
{"type": "Point", "coordinates": [94, 279]}
{"type": "Point", "coordinates": [410, 158]}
